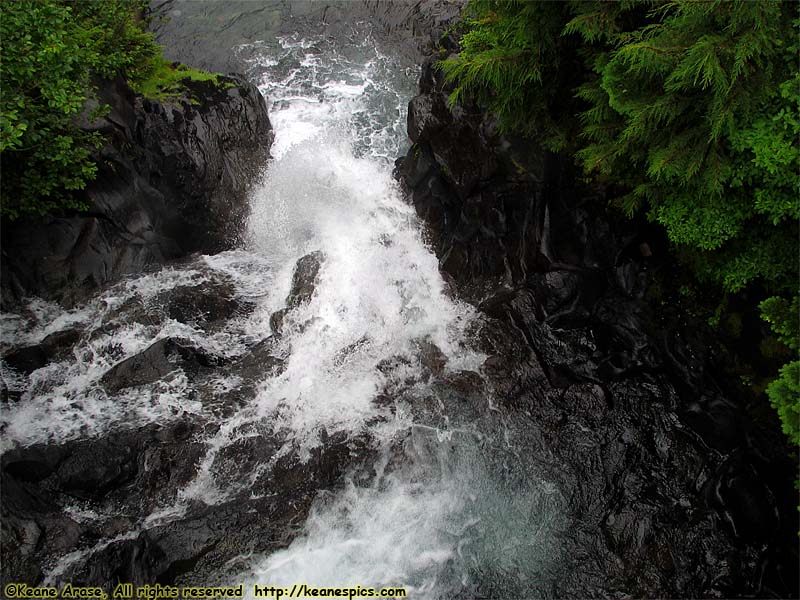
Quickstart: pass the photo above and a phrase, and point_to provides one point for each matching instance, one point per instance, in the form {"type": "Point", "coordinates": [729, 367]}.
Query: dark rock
{"type": "Point", "coordinates": [27, 360]}
{"type": "Point", "coordinates": [54, 346]}
{"type": "Point", "coordinates": [628, 421]}
{"type": "Point", "coordinates": [33, 463]}
{"type": "Point", "coordinates": [304, 280]}
{"type": "Point", "coordinates": [133, 310]}
{"type": "Point", "coordinates": [304, 283]}
{"type": "Point", "coordinates": [128, 473]}
{"type": "Point", "coordinates": [258, 362]}
{"type": "Point", "coordinates": [172, 180]}
{"type": "Point", "coordinates": [132, 472]}
{"type": "Point", "coordinates": [205, 303]}
{"type": "Point", "coordinates": [276, 321]}
{"type": "Point", "coordinates": [8, 395]}
{"type": "Point", "coordinates": [461, 393]}
{"type": "Point", "coordinates": [155, 362]}
{"type": "Point", "coordinates": [30, 523]}
{"type": "Point", "coordinates": [748, 505]}
{"type": "Point", "coordinates": [155, 457]}
{"type": "Point", "coordinates": [431, 357]}
{"type": "Point", "coordinates": [96, 469]}
{"type": "Point", "coordinates": [23, 535]}
{"type": "Point", "coordinates": [138, 561]}
{"type": "Point", "coordinates": [226, 388]}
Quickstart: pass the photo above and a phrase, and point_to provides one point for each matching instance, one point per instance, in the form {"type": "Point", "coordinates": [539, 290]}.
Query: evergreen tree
{"type": "Point", "coordinates": [691, 109]}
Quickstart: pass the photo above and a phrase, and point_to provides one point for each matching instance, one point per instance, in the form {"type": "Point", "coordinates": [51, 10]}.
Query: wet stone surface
{"type": "Point", "coordinates": [672, 489]}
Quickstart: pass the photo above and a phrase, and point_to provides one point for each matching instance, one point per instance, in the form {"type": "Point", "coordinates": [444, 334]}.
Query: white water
{"type": "Point", "coordinates": [431, 523]}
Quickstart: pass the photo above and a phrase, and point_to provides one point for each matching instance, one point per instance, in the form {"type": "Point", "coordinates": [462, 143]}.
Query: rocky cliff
{"type": "Point", "coordinates": [674, 490]}
{"type": "Point", "coordinates": [173, 179]}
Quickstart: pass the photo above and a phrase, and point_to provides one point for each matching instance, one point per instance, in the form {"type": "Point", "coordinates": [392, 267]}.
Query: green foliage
{"type": "Point", "coordinates": [784, 395]}
{"type": "Point", "coordinates": [508, 49]}
{"type": "Point", "coordinates": [704, 111]}
{"type": "Point", "coordinates": [165, 79]}
{"type": "Point", "coordinates": [784, 392]}
{"type": "Point", "coordinates": [693, 108]}
{"type": "Point", "coordinates": [784, 318]}
{"type": "Point", "coordinates": [690, 109]}
{"type": "Point", "coordinates": [51, 52]}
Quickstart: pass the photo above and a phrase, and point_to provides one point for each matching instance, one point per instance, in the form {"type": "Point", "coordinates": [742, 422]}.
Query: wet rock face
{"type": "Point", "coordinates": [56, 345]}
{"type": "Point", "coordinates": [65, 497]}
{"type": "Point", "coordinates": [172, 180]}
{"type": "Point", "coordinates": [205, 304]}
{"type": "Point", "coordinates": [673, 489]}
{"type": "Point", "coordinates": [498, 208]}
{"type": "Point", "coordinates": [304, 282]}
{"type": "Point", "coordinates": [119, 475]}
{"type": "Point", "coordinates": [125, 477]}
{"type": "Point", "coordinates": [154, 363]}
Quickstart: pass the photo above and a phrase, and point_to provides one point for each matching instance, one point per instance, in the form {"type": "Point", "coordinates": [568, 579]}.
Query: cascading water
{"type": "Point", "coordinates": [438, 498]}
{"type": "Point", "coordinates": [338, 120]}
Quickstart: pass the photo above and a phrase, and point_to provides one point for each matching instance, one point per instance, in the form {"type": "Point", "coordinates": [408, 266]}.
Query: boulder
{"type": "Point", "coordinates": [305, 278]}
{"type": "Point", "coordinates": [54, 346]}
{"type": "Point", "coordinates": [172, 179]}
{"type": "Point", "coordinates": [276, 321]}
{"type": "Point", "coordinates": [258, 362]}
{"type": "Point", "coordinates": [155, 362]}
{"type": "Point", "coordinates": [304, 283]}
{"type": "Point", "coordinates": [204, 304]}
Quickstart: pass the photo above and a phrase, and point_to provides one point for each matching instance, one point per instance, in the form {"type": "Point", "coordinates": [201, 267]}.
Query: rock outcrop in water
{"type": "Point", "coordinates": [172, 180]}
{"type": "Point", "coordinates": [74, 510]}
{"type": "Point", "coordinates": [673, 490]}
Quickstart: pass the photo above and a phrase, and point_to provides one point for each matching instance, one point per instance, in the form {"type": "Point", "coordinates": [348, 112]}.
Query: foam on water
{"type": "Point", "coordinates": [444, 519]}
{"type": "Point", "coordinates": [330, 189]}
{"type": "Point", "coordinates": [379, 289]}
{"type": "Point", "coordinates": [65, 400]}
{"type": "Point", "coordinates": [425, 525]}
{"type": "Point", "coordinates": [313, 81]}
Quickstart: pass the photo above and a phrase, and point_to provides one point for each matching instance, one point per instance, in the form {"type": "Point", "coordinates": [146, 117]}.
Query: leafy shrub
{"type": "Point", "coordinates": [784, 395]}
{"type": "Point", "coordinates": [51, 51]}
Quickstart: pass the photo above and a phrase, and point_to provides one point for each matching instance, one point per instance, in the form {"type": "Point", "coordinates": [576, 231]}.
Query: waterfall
{"type": "Point", "coordinates": [379, 362]}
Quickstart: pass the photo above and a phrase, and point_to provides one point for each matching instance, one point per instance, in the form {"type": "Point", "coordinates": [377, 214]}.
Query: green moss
{"type": "Point", "coordinates": [166, 80]}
